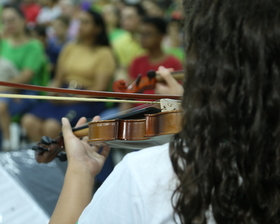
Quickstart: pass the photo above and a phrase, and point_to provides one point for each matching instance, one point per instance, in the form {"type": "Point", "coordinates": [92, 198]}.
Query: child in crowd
{"type": "Point", "coordinates": [28, 56]}
{"type": "Point", "coordinates": [152, 32]}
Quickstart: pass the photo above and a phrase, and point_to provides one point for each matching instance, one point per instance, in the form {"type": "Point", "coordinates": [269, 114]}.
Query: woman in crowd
{"type": "Point", "coordinates": [85, 64]}
{"type": "Point", "coordinates": [28, 57]}
{"type": "Point", "coordinates": [223, 166]}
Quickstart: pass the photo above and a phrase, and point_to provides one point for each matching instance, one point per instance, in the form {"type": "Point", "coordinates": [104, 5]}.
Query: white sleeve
{"type": "Point", "coordinates": [118, 200]}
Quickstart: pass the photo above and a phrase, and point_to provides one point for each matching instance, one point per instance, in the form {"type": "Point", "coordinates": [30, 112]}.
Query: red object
{"type": "Point", "coordinates": [142, 64]}
{"type": "Point", "coordinates": [30, 11]}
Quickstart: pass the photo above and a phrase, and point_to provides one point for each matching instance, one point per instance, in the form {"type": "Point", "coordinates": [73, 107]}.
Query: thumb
{"type": "Point", "coordinates": [66, 128]}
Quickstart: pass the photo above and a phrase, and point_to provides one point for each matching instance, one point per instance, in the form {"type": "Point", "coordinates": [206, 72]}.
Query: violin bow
{"type": "Point", "coordinates": [89, 92]}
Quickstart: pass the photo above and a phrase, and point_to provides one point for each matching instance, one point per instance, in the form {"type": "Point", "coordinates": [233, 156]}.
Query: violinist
{"type": "Point", "coordinates": [223, 167]}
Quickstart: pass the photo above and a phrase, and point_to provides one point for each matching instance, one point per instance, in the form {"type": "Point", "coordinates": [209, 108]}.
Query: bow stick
{"type": "Point", "coordinates": [90, 92]}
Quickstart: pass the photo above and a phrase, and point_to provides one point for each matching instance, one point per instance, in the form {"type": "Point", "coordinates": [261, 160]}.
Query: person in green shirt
{"type": "Point", "coordinates": [28, 57]}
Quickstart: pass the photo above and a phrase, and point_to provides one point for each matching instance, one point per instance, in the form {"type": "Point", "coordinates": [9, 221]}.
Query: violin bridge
{"type": "Point", "coordinates": [169, 105]}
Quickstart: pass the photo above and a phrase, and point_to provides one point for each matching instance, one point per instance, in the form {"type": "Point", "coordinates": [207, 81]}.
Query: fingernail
{"type": "Point", "coordinates": [63, 120]}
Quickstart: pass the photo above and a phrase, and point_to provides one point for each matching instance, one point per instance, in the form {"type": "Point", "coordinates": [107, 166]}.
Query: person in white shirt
{"type": "Point", "coordinates": [49, 12]}
{"type": "Point", "coordinates": [223, 166]}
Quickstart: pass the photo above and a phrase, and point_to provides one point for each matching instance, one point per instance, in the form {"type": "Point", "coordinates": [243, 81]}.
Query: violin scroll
{"type": "Point", "coordinates": [139, 85]}
{"type": "Point", "coordinates": [48, 149]}
{"type": "Point", "coordinates": [142, 83]}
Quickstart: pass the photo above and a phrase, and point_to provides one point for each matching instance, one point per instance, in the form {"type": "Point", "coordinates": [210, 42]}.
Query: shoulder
{"type": "Point", "coordinates": [151, 166]}
{"type": "Point", "coordinates": [143, 182]}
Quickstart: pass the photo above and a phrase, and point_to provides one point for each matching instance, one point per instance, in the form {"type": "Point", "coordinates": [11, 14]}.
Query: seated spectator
{"type": "Point", "coordinates": [86, 64]}
{"type": "Point", "coordinates": [152, 32]}
{"type": "Point", "coordinates": [28, 57]}
{"type": "Point", "coordinates": [127, 47]}
{"type": "Point", "coordinates": [111, 16]}
{"type": "Point", "coordinates": [173, 41]}
{"type": "Point", "coordinates": [57, 41]}
{"type": "Point", "coordinates": [31, 11]}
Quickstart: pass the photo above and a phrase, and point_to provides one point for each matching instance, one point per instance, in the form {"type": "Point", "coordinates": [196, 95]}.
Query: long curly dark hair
{"type": "Point", "coordinates": [227, 156]}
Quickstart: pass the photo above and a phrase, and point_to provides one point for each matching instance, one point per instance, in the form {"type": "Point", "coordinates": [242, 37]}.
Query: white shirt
{"type": "Point", "coordinates": [138, 191]}
{"type": "Point", "coordinates": [47, 14]}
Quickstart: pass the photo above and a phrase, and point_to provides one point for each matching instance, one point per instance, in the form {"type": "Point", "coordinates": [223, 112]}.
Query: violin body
{"type": "Point", "coordinates": [154, 129]}
{"type": "Point", "coordinates": [133, 130]}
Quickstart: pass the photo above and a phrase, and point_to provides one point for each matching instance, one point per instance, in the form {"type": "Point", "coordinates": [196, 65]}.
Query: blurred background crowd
{"type": "Point", "coordinates": [80, 44]}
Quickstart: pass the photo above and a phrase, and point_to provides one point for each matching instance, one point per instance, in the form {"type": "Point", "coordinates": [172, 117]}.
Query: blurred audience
{"type": "Point", "coordinates": [173, 41]}
{"type": "Point", "coordinates": [111, 16]}
{"type": "Point", "coordinates": [85, 64]}
{"type": "Point", "coordinates": [39, 32]}
{"type": "Point", "coordinates": [127, 47]}
{"type": "Point", "coordinates": [153, 8]}
{"type": "Point", "coordinates": [50, 10]}
{"type": "Point", "coordinates": [71, 9]}
{"type": "Point", "coordinates": [27, 55]}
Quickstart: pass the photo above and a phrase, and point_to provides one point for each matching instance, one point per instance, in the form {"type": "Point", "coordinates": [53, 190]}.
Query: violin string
{"type": "Point", "coordinates": [142, 106]}
{"type": "Point", "coordinates": [22, 96]}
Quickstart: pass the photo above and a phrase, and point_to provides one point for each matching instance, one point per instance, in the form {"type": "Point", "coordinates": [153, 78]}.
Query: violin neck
{"type": "Point", "coordinates": [178, 75]}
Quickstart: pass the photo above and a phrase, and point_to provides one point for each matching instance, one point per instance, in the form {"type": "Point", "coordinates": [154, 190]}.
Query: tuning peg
{"type": "Point", "coordinates": [47, 140]}
{"type": "Point", "coordinates": [62, 156]}
{"type": "Point", "coordinates": [40, 148]}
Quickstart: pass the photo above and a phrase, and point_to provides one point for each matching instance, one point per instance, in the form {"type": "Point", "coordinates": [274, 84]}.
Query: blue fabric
{"type": "Point", "coordinates": [47, 110]}
{"type": "Point", "coordinates": [53, 49]}
{"type": "Point", "coordinates": [20, 106]}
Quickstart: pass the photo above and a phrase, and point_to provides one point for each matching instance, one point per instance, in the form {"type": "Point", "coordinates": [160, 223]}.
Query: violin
{"type": "Point", "coordinates": [151, 128]}
{"type": "Point", "coordinates": [136, 130]}
{"type": "Point", "coordinates": [141, 83]}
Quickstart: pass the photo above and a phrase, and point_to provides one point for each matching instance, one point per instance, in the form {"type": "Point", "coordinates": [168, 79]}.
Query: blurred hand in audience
{"type": "Point", "coordinates": [170, 86]}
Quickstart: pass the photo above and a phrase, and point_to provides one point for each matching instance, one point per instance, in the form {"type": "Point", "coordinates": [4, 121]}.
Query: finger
{"type": "Point", "coordinates": [166, 75]}
{"type": "Point", "coordinates": [66, 128]}
{"type": "Point", "coordinates": [81, 121]}
{"type": "Point", "coordinates": [96, 118]}
{"type": "Point", "coordinates": [105, 151]}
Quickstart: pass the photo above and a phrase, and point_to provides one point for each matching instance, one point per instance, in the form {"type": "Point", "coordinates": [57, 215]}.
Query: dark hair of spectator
{"type": "Point", "coordinates": [64, 19]}
{"type": "Point", "coordinates": [102, 38]}
{"type": "Point", "coordinates": [16, 8]}
{"type": "Point", "coordinates": [40, 31]}
{"type": "Point", "coordinates": [139, 9]}
{"type": "Point", "coordinates": [158, 23]}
